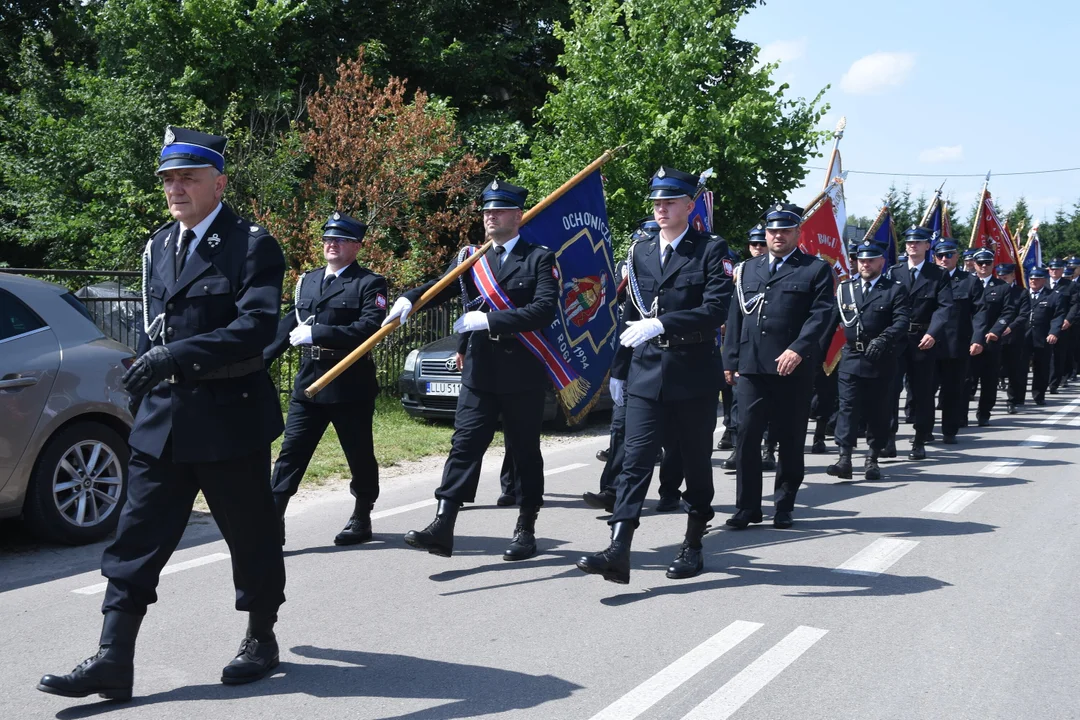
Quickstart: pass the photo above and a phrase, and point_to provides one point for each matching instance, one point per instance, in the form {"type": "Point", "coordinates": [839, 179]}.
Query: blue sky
{"type": "Point", "coordinates": [947, 87]}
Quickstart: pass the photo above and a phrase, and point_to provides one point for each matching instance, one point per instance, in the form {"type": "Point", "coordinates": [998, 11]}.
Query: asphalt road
{"type": "Point", "coordinates": [947, 590]}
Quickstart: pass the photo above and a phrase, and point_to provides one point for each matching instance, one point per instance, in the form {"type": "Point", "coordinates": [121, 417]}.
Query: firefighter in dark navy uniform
{"type": "Point", "coordinates": [1048, 310]}
{"type": "Point", "coordinates": [500, 376]}
{"type": "Point", "coordinates": [782, 313]}
{"type": "Point", "coordinates": [1014, 366]}
{"type": "Point", "coordinates": [667, 371]}
{"type": "Point", "coordinates": [207, 415]}
{"type": "Point", "coordinates": [874, 311]}
{"type": "Point", "coordinates": [1063, 288]}
{"type": "Point", "coordinates": [931, 309]}
{"type": "Point", "coordinates": [335, 309]}
{"type": "Point", "coordinates": [996, 313]}
{"type": "Point", "coordinates": [959, 344]}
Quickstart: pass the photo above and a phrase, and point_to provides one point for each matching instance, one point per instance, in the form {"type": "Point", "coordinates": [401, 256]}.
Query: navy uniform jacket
{"type": "Point", "coordinates": [967, 301]}
{"type": "Point", "coordinates": [798, 311]}
{"type": "Point", "coordinates": [504, 365]}
{"type": "Point", "coordinates": [1047, 313]}
{"type": "Point", "coordinates": [222, 310]}
{"type": "Point", "coordinates": [1021, 299]}
{"type": "Point", "coordinates": [931, 300]}
{"type": "Point", "coordinates": [885, 313]}
{"type": "Point", "coordinates": [346, 315]}
{"type": "Point", "coordinates": [692, 292]}
{"type": "Point", "coordinates": [996, 312]}
{"type": "Point", "coordinates": [1064, 289]}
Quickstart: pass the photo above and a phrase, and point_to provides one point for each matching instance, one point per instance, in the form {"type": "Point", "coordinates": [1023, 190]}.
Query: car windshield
{"type": "Point", "coordinates": [78, 305]}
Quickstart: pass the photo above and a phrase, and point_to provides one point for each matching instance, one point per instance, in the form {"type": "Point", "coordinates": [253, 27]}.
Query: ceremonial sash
{"type": "Point", "coordinates": [568, 383]}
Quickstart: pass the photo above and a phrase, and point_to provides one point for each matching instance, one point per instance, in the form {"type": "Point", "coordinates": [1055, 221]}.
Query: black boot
{"type": "Point", "coordinates": [523, 546]}
{"type": "Point", "coordinates": [918, 451]}
{"type": "Point", "coordinates": [768, 457]}
{"type": "Point", "coordinates": [742, 518]}
{"type": "Point", "coordinates": [111, 672]}
{"type": "Point", "coordinates": [842, 467]}
{"type": "Point", "coordinates": [613, 563]}
{"type": "Point", "coordinates": [281, 501]}
{"type": "Point", "coordinates": [602, 455]}
{"type": "Point", "coordinates": [438, 537]}
{"type": "Point", "coordinates": [726, 441]}
{"type": "Point", "coordinates": [258, 654]}
{"type": "Point", "coordinates": [603, 500]}
{"type": "Point", "coordinates": [358, 529]}
{"type": "Point", "coordinates": [890, 448]}
{"type": "Point", "coordinates": [871, 471]}
{"type": "Point", "coordinates": [688, 562]}
{"type": "Point", "coordinates": [729, 461]}
{"type": "Point", "coordinates": [818, 447]}
{"type": "Point", "coordinates": [668, 503]}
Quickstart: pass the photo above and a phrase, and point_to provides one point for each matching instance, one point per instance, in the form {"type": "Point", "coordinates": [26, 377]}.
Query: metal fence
{"type": "Point", "coordinates": [113, 300]}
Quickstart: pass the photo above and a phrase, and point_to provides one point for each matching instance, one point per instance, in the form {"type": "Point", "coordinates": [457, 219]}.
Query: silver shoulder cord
{"type": "Point", "coordinates": [754, 303]}
{"type": "Point", "coordinates": [848, 322]}
{"type": "Point", "coordinates": [635, 292]}
{"type": "Point", "coordinates": [296, 303]}
{"type": "Point", "coordinates": [152, 329]}
{"type": "Point", "coordinates": [466, 303]}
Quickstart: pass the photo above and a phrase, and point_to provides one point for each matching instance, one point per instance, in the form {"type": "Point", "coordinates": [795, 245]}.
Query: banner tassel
{"type": "Point", "coordinates": [575, 392]}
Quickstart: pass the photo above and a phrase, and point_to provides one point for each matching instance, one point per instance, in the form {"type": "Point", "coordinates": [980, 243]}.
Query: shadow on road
{"type": "Point", "coordinates": [468, 690]}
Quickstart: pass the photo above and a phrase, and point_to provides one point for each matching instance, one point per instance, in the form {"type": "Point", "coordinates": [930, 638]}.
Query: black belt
{"type": "Point", "coordinates": [314, 352]}
{"type": "Point", "coordinates": [915, 328]}
{"type": "Point", "coordinates": [502, 338]}
{"type": "Point", "coordinates": [697, 338]}
{"type": "Point", "coordinates": [857, 346]}
{"type": "Point", "coordinates": [240, 369]}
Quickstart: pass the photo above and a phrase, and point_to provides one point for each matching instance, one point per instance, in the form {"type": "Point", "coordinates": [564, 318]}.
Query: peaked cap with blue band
{"type": "Point", "coordinates": [757, 234]}
{"type": "Point", "coordinates": [1056, 264]}
{"type": "Point", "coordinates": [647, 230]}
{"type": "Point", "coordinates": [1069, 271]}
{"type": "Point", "coordinates": [869, 250]}
{"type": "Point", "coordinates": [501, 195]}
{"type": "Point", "coordinates": [669, 183]}
{"type": "Point", "coordinates": [918, 234]}
{"type": "Point", "coordinates": [782, 215]}
{"type": "Point", "coordinates": [340, 225]}
{"type": "Point", "coordinates": [968, 254]}
{"type": "Point", "coordinates": [946, 245]}
{"type": "Point", "coordinates": [1039, 272]}
{"type": "Point", "coordinates": [185, 148]}
{"type": "Point", "coordinates": [1005, 268]}
{"type": "Point", "coordinates": [983, 255]}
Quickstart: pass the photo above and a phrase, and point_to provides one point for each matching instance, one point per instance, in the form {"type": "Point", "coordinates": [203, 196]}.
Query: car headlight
{"type": "Point", "coordinates": [410, 361]}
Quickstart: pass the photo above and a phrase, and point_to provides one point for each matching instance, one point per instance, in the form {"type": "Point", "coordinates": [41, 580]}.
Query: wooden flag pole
{"type": "Point", "coordinates": [452, 276]}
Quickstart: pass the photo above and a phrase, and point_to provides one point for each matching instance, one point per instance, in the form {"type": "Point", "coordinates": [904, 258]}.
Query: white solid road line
{"type": "Point", "coordinates": [1002, 467]}
{"type": "Point", "coordinates": [403, 509]}
{"type": "Point", "coordinates": [167, 570]}
{"type": "Point", "coordinates": [878, 556]}
{"type": "Point", "coordinates": [1038, 441]}
{"type": "Point", "coordinates": [565, 468]}
{"type": "Point", "coordinates": [726, 701]}
{"type": "Point", "coordinates": [953, 501]}
{"type": "Point", "coordinates": [650, 692]}
{"type": "Point", "coordinates": [1062, 413]}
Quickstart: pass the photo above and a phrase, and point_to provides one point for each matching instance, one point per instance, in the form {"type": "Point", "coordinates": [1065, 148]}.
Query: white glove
{"type": "Point", "coordinates": [401, 309]}
{"type": "Point", "coordinates": [617, 388]}
{"type": "Point", "coordinates": [639, 331]}
{"type": "Point", "coordinates": [301, 335]}
{"type": "Point", "coordinates": [471, 322]}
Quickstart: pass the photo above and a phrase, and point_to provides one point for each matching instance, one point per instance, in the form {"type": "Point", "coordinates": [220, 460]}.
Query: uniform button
{"type": "Point", "coordinates": [243, 395]}
{"type": "Point", "coordinates": [170, 331]}
{"type": "Point", "coordinates": [197, 367]}
{"type": "Point", "coordinates": [205, 288]}
{"type": "Point", "coordinates": [169, 306]}
{"type": "Point", "coordinates": [762, 332]}
{"type": "Point", "coordinates": [766, 302]}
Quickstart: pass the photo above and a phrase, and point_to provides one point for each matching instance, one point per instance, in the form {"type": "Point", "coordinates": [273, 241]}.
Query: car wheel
{"type": "Point", "coordinates": [79, 485]}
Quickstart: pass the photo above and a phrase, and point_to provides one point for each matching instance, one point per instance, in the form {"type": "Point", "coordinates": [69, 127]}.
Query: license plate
{"type": "Point", "coordinates": [444, 388]}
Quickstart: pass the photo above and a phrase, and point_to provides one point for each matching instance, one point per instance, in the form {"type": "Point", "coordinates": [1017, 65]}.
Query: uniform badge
{"type": "Point", "coordinates": [170, 138]}
{"type": "Point", "coordinates": [494, 184]}
{"type": "Point", "coordinates": [779, 207]}
{"type": "Point", "coordinates": [254, 228]}
{"type": "Point", "coordinates": [661, 173]}
{"type": "Point", "coordinates": [624, 270]}
{"type": "Point", "coordinates": [380, 301]}
{"type": "Point", "coordinates": [213, 241]}
{"type": "Point", "coordinates": [337, 216]}
{"type": "Point", "coordinates": [729, 267]}
{"type": "Point", "coordinates": [555, 272]}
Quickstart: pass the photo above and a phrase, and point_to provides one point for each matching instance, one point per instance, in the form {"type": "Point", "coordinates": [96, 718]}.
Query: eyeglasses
{"type": "Point", "coordinates": [946, 255]}
{"type": "Point", "coordinates": [758, 242]}
{"type": "Point", "coordinates": [984, 263]}
{"type": "Point", "coordinates": [333, 240]}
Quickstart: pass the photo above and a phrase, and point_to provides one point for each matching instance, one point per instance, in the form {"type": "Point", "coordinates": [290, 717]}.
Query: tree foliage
{"type": "Point", "coordinates": [668, 79]}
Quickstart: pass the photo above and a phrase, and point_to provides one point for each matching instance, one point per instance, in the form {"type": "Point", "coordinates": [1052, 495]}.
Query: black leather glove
{"type": "Point", "coordinates": [152, 367]}
{"type": "Point", "coordinates": [876, 348]}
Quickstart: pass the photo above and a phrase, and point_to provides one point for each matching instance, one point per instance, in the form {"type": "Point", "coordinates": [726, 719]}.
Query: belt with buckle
{"type": "Point", "coordinates": [858, 346]}
{"type": "Point", "coordinates": [665, 341]}
{"type": "Point", "coordinates": [239, 369]}
{"type": "Point", "coordinates": [915, 328]}
{"type": "Point", "coordinates": [314, 352]}
{"type": "Point", "coordinates": [502, 338]}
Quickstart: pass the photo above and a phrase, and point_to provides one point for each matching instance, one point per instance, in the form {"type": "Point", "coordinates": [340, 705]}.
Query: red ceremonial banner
{"type": "Point", "coordinates": [819, 236]}
{"type": "Point", "coordinates": [990, 232]}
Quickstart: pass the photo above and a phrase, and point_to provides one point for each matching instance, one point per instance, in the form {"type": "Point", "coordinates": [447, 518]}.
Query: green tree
{"type": "Point", "coordinates": [668, 79]}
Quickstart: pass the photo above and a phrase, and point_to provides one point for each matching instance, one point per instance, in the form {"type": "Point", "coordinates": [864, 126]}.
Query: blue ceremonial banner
{"type": "Point", "coordinates": [1032, 257]}
{"type": "Point", "coordinates": [885, 236]}
{"type": "Point", "coordinates": [701, 215]}
{"type": "Point", "coordinates": [575, 228]}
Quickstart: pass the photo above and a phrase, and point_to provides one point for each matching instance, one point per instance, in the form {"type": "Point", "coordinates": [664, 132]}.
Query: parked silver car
{"type": "Point", "coordinates": [64, 416]}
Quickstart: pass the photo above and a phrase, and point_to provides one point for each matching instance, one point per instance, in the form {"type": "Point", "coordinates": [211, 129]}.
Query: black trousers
{"type": "Point", "coordinates": [1014, 367]}
{"type": "Point", "coordinates": [984, 371]}
{"type": "Point", "coordinates": [159, 500]}
{"type": "Point", "coordinates": [1059, 362]}
{"type": "Point", "coordinates": [823, 406]}
{"type": "Point", "coordinates": [474, 427]}
{"type": "Point", "coordinates": [616, 448]}
{"type": "Point", "coordinates": [920, 369]}
{"type": "Point", "coordinates": [727, 401]}
{"type": "Point", "coordinates": [1039, 358]}
{"type": "Point", "coordinates": [781, 404]}
{"type": "Point", "coordinates": [952, 377]}
{"type": "Point", "coordinates": [863, 400]}
{"type": "Point", "coordinates": [304, 428]}
{"type": "Point", "coordinates": [647, 421]}
{"type": "Point", "coordinates": [671, 468]}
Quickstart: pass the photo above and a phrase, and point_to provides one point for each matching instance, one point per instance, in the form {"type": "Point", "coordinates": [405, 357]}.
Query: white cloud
{"type": "Point", "coordinates": [783, 51]}
{"type": "Point", "coordinates": [944, 153]}
{"type": "Point", "coordinates": [873, 73]}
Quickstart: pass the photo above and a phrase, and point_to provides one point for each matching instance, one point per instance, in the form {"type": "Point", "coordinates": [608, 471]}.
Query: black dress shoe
{"type": "Point", "coordinates": [523, 546]}
{"type": "Point", "coordinates": [506, 500]}
{"type": "Point", "coordinates": [725, 441]}
{"type": "Point", "coordinates": [743, 518]}
{"type": "Point", "coordinates": [949, 439]}
{"type": "Point", "coordinates": [668, 503]}
{"type": "Point", "coordinates": [818, 448]}
{"type": "Point", "coordinates": [929, 438]}
{"type": "Point", "coordinates": [842, 467]}
{"type": "Point", "coordinates": [601, 501]}
{"type": "Point", "coordinates": [110, 673]}
{"type": "Point", "coordinates": [1010, 409]}
{"type": "Point", "coordinates": [782, 519]}
{"type": "Point", "coordinates": [358, 529]}
{"type": "Point", "coordinates": [602, 455]}
{"type": "Point", "coordinates": [1040, 401]}
{"type": "Point", "coordinates": [918, 452]}
{"type": "Point", "coordinates": [1053, 390]}
{"type": "Point", "coordinates": [729, 462]}
{"type": "Point", "coordinates": [984, 421]}
{"type": "Point", "coordinates": [254, 661]}
{"type": "Point", "coordinates": [890, 449]}
{"type": "Point", "coordinates": [438, 537]}
{"type": "Point", "coordinates": [768, 458]}
{"type": "Point", "coordinates": [871, 470]}
{"type": "Point", "coordinates": [614, 562]}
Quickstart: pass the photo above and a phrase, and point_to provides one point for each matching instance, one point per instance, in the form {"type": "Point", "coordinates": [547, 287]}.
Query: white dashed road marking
{"type": "Point", "coordinates": [878, 556]}
{"type": "Point", "coordinates": [953, 501]}
{"type": "Point", "coordinates": [167, 570]}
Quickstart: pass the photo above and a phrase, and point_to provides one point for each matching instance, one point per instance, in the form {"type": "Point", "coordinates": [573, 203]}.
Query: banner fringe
{"type": "Point", "coordinates": [575, 392]}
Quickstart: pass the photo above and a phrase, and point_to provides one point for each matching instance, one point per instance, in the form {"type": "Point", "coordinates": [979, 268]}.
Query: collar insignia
{"type": "Point", "coordinates": [213, 241]}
